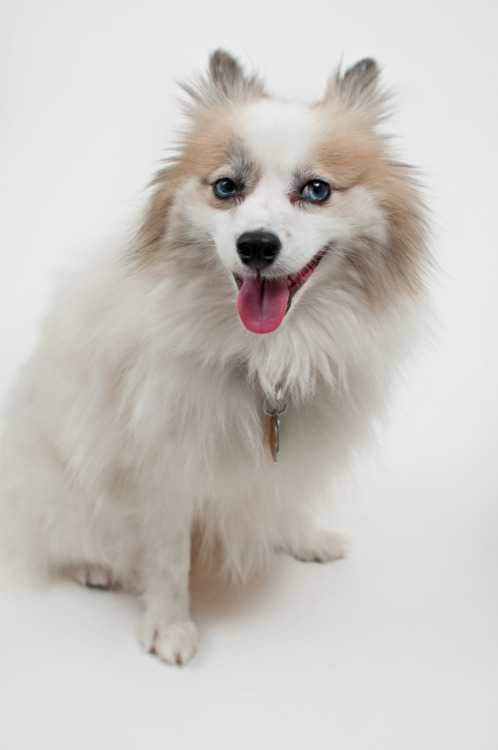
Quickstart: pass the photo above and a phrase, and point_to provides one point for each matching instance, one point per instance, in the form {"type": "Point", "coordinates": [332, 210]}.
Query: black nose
{"type": "Point", "coordinates": [258, 249]}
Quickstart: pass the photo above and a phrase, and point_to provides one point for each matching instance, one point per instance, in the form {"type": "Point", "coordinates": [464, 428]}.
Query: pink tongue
{"type": "Point", "coordinates": [262, 303]}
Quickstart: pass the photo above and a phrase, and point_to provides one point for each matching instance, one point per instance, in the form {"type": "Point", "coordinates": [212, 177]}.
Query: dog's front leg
{"type": "Point", "coordinates": [167, 629]}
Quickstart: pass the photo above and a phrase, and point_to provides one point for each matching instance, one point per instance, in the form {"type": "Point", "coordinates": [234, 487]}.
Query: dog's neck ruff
{"type": "Point", "coordinates": [274, 406]}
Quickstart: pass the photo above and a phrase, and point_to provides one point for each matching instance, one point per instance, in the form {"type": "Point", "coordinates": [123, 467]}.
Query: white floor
{"type": "Point", "coordinates": [396, 647]}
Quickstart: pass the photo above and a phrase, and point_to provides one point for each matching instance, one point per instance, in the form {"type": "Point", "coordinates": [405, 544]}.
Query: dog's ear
{"type": "Point", "coordinates": [228, 76]}
{"type": "Point", "coordinates": [226, 80]}
{"type": "Point", "coordinates": [359, 83]}
{"type": "Point", "coordinates": [358, 88]}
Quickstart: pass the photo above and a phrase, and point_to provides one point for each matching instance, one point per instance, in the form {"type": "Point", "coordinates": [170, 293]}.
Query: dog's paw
{"type": "Point", "coordinates": [174, 643]}
{"type": "Point", "coordinates": [322, 546]}
{"type": "Point", "coordinates": [94, 576]}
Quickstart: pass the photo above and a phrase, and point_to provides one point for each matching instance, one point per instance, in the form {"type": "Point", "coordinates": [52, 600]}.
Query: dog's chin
{"type": "Point", "coordinates": [264, 301]}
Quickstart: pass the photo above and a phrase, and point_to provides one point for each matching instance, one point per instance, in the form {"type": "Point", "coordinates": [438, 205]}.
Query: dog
{"type": "Point", "coordinates": [201, 386]}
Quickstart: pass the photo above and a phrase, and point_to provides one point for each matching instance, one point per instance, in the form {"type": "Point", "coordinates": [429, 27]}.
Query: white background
{"type": "Point", "coordinates": [395, 648]}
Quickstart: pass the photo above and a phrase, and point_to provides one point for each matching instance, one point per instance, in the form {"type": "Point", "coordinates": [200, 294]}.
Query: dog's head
{"type": "Point", "coordinates": [291, 195]}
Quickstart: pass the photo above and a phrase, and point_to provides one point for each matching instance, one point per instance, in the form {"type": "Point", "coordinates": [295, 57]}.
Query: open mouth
{"type": "Point", "coordinates": [263, 302]}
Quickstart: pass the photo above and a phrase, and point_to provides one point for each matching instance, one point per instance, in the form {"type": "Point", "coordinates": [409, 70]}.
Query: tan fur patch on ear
{"type": "Point", "coordinates": [352, 153]}
{"type": "Point", "coordinates": [358, 90]}
{"type": "Point", "coordinates": [346, 151]}
{"type": "Point", "coordinates": [207, 147]}
{"type": "Point", "coordinates": [204, 150]}
{"type": "Point", "coordinates": [229, 77]}
{"type": "Point", "coordinates": [225, 82]}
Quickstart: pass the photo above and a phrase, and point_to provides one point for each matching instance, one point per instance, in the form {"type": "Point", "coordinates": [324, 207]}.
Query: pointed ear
{"type": "Point", "coordinates": [226, 80]}
{"type": "Point", "coordinates": [358, 88]}
{"type": "Point", "coordinates": [228, 76]}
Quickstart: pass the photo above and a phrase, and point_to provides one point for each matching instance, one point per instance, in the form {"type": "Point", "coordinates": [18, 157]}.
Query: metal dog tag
{"type": "Point", "coordinates": [275, 437]}
{"type": "Point", "coordinates": [274, 408]}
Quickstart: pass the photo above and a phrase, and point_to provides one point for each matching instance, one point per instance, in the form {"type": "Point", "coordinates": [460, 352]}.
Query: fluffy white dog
{"type": "Point", "coordinates": [259, 315]}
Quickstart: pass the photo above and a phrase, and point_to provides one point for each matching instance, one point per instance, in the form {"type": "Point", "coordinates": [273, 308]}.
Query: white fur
{"type": "Point", "coordinates": [139, 417]}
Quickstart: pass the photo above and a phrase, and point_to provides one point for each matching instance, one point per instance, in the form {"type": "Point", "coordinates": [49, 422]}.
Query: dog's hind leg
{"type": "Point", "coordinates": [93, 576]}
{"type": "Point", "coordinates": [317, 545]}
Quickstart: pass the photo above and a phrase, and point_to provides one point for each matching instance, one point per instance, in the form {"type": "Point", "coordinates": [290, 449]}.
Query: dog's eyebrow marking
{"type": "Point", "coordinates": [243, 166]}
{"type": "Point", "coordinates": [302, 176]}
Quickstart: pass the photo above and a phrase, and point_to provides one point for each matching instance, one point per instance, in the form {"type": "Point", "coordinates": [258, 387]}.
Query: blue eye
{"type": "Point", "coordinates": [225, 188]}
{"type": "Point", "coordinates": [316, 191]}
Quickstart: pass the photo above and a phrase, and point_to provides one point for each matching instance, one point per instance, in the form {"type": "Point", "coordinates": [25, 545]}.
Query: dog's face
{"type": "Point", "coordinates": [270, 196]}
{"type": "Point", "coordinates": [275, 208]}
{"type": "Point", "coordinates": [293, 195]}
